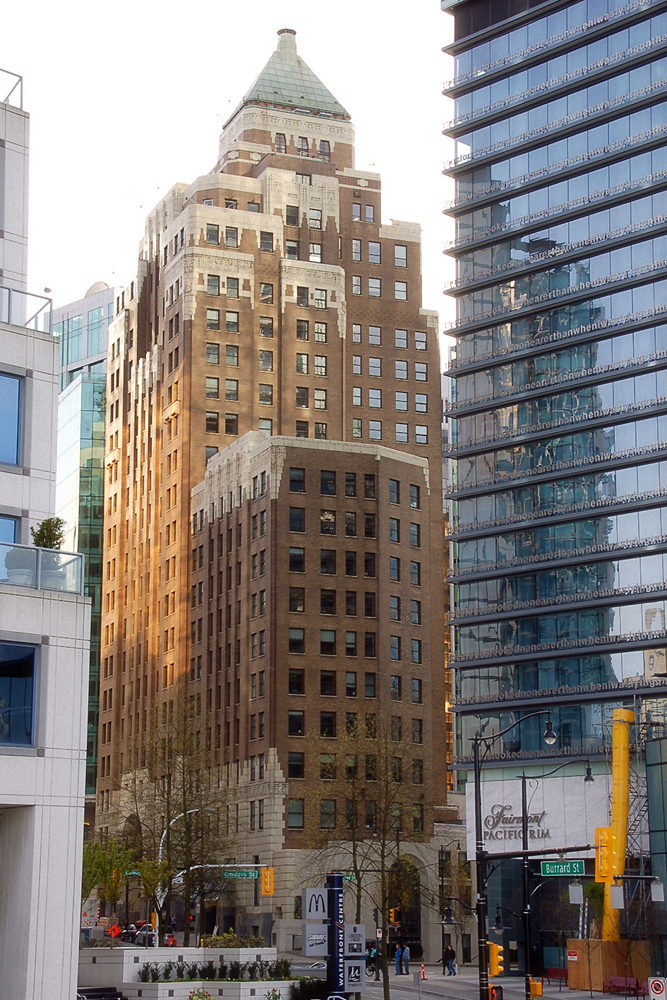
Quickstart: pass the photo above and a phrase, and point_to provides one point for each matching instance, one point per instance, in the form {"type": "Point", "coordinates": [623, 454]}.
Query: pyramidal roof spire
{"type": "Point", "coordinates": [287, 82]}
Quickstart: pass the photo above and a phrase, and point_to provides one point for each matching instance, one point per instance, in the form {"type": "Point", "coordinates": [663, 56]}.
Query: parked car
{"type": "Point", "coordinates": [129, 933]}
{"type": "Point", "coordinates": [146, 938]}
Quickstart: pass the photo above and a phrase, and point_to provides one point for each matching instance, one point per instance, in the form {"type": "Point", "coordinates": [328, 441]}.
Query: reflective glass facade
{"type": "Point", "coordinates": [559, 397]}
{"type": "Point", "coordinates": [80, 502]}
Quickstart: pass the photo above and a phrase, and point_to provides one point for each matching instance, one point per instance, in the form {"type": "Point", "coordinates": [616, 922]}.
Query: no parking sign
{"type": "Point", "coordinates": [656, 988]}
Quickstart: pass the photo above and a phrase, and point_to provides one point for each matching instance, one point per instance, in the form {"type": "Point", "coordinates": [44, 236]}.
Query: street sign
{"type": "Point", "coordinates": [563, 867]}
{"type": "Point", "coordinates": [240, 873]}
{"type": "Point", "coordinates": [132, 873]}
{"type": "Point", "coordinates": [314, 940]}
{"type": "Point", "coordinates": [378, 933]}
{"type": "Point", "coordinates": [355, 975]}
{"type": "Point", "coordinates": [349, 878]}
{"type": "Point", "coordinates": [656, 988]}
{"type": "Point", "coordinates": [355, 940]}
{"type": "Point", "coordinates": [315, 904]}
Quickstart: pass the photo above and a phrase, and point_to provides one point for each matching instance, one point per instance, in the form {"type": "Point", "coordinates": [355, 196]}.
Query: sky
{"type": "Point", "coordinates": [127, 99]}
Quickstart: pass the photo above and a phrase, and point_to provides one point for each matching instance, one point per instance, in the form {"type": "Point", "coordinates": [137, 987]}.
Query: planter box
{"type": "Point", "coordinates": [116, 966]}
{"type": "Point", "coordinates": [217, 988]}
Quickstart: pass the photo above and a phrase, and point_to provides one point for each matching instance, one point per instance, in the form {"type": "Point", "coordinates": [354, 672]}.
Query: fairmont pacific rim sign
{"type": "Point", "coordinates": [562, 812]}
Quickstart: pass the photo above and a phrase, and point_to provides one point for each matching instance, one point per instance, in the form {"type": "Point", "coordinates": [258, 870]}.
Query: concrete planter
{"type": "Point", "coordinates": [119, 967]}
{"type": "Point", "coordinates": [217, 988]}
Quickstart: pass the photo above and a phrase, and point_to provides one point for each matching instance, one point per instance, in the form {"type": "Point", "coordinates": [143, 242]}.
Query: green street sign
{"type": "Point", "coordinates": [349, 878]}
{"type": "Point", "coordinates": [562, 867]}
{"type": "Point", "coordinates": [241, 873]}
{"type": "Point", "coordinates": [132, 873]}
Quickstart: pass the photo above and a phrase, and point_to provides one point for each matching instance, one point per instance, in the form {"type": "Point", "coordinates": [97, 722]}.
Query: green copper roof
{"type": "Point", "coordinates": [286, 81]}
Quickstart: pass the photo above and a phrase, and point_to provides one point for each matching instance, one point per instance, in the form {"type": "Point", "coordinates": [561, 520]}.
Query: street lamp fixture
{"type": "Point", "coordinates": [550, 738]}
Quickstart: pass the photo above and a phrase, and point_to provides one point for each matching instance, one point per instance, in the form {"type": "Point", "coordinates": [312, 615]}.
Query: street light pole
{"type": "Point", "coordinates": [480, 853]}
{"type": "Point", "coordinates": [526, 887]}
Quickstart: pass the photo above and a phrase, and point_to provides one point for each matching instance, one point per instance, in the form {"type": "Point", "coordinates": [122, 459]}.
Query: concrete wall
{"type": "Point", "coordinates": [14, 142]}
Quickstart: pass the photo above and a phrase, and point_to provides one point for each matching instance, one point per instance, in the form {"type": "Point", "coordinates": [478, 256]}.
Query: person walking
{"type": "Point", "coordinates": [406, 959]}
{"type": "Point", "coordinates": [451, 958]}
{"type": "Point", "coordinates": [399, 954]}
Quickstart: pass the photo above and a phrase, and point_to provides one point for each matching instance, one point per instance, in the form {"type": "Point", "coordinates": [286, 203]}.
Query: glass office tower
{"type": "Point", "coordinates": [559, 402]}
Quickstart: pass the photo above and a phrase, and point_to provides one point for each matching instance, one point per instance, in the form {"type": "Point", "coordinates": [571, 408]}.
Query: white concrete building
{"type": "Point", "coordinates": [44, 642]}
{"type": "Point", "coordinates": [14, 145]}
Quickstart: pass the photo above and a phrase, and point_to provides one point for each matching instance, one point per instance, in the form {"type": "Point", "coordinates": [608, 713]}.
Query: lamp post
{"type": "Point", "coordinates": [588, 778]}
{"type": "Point", "coordinates": [480, 853]}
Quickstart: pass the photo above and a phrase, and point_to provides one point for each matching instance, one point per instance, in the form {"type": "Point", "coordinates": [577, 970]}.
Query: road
{"type": "Point", "coordinates": [465, 986]}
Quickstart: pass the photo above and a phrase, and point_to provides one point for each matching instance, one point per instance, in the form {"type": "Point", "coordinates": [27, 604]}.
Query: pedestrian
{"type": "Point", "coordinates": [406, 959]}
{"type": "Point", "coordinates": [173, 923]}
{"type": "Point", "coordinates": [399, 954]}
{"type": "Point", "coordinates": [451, 958]}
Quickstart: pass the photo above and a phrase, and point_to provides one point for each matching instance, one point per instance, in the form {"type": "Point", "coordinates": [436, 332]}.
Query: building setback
{"type": "Point", "coordinates": [275, 324]}
{"type": "Point", "coordinates": [559, 406]}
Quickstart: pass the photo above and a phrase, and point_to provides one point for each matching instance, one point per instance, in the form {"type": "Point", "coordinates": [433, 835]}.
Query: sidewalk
{"type": "Point", "coordinates": [465, 985]}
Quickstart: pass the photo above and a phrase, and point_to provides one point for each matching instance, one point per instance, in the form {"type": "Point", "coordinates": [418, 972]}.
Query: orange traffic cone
{"type": "Point", "coordinates": [423, 972]}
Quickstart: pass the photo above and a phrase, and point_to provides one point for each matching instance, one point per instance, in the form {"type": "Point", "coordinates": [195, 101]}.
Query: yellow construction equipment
{"type": "Point", "coordinates": [611, 841]}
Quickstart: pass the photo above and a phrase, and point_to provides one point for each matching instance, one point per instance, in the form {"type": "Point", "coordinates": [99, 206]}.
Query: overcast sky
{"type": "Point", "coordinates": [126, 99]}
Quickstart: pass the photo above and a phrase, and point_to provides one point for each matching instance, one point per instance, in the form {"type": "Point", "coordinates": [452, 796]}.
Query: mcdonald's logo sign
{"type": "Point", "coordinates": [315, 904]}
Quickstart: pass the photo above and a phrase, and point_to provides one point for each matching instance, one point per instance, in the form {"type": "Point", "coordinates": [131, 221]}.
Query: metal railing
{"type": "Point", "coordinates": [19, 308]}
{"type": "Point", "coordinates": [40, 569]}
{"type": "Point", "coordinates": [16, 85]}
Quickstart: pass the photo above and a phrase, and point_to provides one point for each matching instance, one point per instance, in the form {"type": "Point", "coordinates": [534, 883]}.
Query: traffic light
{"type": "Point", "coordinates": [395, 915]}
{"type": "Point", "coordinates": [376, 916]}
{"type": "Point", "coordinates": [496, 959]}
{"type": "Point", "coordinates": [495, 992]}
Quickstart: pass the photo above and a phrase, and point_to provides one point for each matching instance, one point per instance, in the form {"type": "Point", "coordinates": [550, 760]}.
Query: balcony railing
{"type": "Point", "coordinates": [15, 83]}
{"type": "Point", "coordinates": [41, 569]}
{"type": "Point", "coordinates": [19, 308]}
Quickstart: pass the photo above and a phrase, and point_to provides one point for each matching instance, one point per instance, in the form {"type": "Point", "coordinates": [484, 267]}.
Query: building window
{"type": "Point", "coordinates": [302, 428]}
{"type": "Point", "coordinates": [266, 361]}
{"type": "Point", "coordinates": [375, 287]}
{"type": "Point", "coordinates": [212, 234]}
{"type": "Point", "coordinates": [414, 497]}
{"type": "Point", "coordinates": [401, 338]}
{"type": "Point", "coordinates": [369, 565]}
{"type": "Point", "coordinates": [296, 684]}
{"type": "Point", "coordinates": [265, 394]}
{"type": "Point", "coordinates": [292, 249]}
{"type": "Point", "coordinates": [302, 364]}
{"type": "Point", "coordinates": [320, 366]}
{"type": "Point", "coordinates": [327, 642]}
{"type": "Point", "coordinates": [328, 561]}
{"type": "Point", "coordinates": [231, 356]}
{"type": "Point", "coordinates": [266, 293]}
{"type": "Point", "coordinates": [297, 560]}
{"type": "Point", "coordinates": [356, 427]}
{"type": "Point", "coordinates": [375, 398]}
{"type": "Point", "coordinates": [327, 483]}
{"type": "Point", "coordinates": [374, 253]}
{"type": "Point", "coordinates": [301, 397]}
{"type": "Point", "coordinates": [304, 179]}
{"type": "Point", "coordinates": [370, 213]}
{"type": "Point", "coordinates": [320, 333]}
{"type": "Point", "coordinates": [302, 145]}
{"type": "Point", "coordinates": [356, 364]}
{"type": "Point", "coordinates": [297, 642]}
{"type": "Point", "coordinates": [395, 647]}
{"type": "Point", "coordinates": [421, 402]}
{"type": "Point", "coordinates": [416, 650]}
{"type": "Point", "coordinates": [421, 434]}
{"type": "Point", "coordinates": [212, 319]}
{"type": "Point", "coordinates": [17, 673]}
{"type": "Point", "coordinates": [315, 218]}
{"type": "Point", "coordinates": [302, 296]}
{"type": "Point", "coordinates": [325, 150]}
{"type": "Point", "coordinates": [375, 430]}
{"type": "Point", "coordinates": [291, 215]}
{"type": "Point", "coordinates": [231, 423]}
{"type": "Point", "coordinates": [266, 327]}
{"type": "Point", "coordinates": [212, 422]}
{"type": "Point", "coordinates": [356, 395]}
{"type": "Point", "coordinates": [356, 252]}
{"type": "Point", "coordinates": [416, 573]}
{"type": "Point", "coordinates": [281, 143]}
{"type": "Point", "coordinates": [295, 812]}
{"type": "Point", "coordinates": [356, 333]}
{"type": "Point", "coordinates": [395, 687]}
{"type": "Point", "coordinates": [401, 433]}
{"type": "Point", "coordinates": [394, 529]}
{"type": "Point", "coordinates": [421, 371]}
{"type": "Point", "coordinates": [327, 602]}
{"type": "Point", "coordinates": [297, 519]}
{"type": "Point", "coordinates": [395, 569]}
{"type": "Point", "coordinates": [416, 612]}
{"type": "Point", "coordinates": [212, 388]}
{"type": "Point", "coordinates": [297, 480]}
{"type": "Point", "coordinates": [231, 203]}
{"type": "Point", "coordinates": [266, 242]}
{"type": "Point", "coordinates": [315, 253]}
{"type": "Point", "coordinates": [351, 650]}
{"type": "Point", "coordinates": [320, 399]}
{"type": "Point", "coordinates": [295, 765]}
{"type": "Point", "coordinates": [320, 298]}
{"type": "Point", "coordinates": [302, 329]}
{"type": "Point", "coordinates": [415, 535]}
{"type": "Point", "coordinates": [231, 236]}
{"type": "Point", "coordinates": [213, 284]}
{"type": "Point", "coordinates": [297, 599]}
{"type": "Point", "coordinates": [212, 354]}
{"type": "Point", "coordinates": [328, 724]}
{"type": "Point", "coordinates": [327, 522]}
{"type": "Point", "coordinates": [401, 369]}
{"type": "Point", "coordinates": [395, 608]}
{"type": "Point", "coordinates": [401, 291]}
{"type": "Point", "coordinates": [400, 256]}
{"type": "Point", "coordinates": [356, 211]}
{"type": "Point", "coordinates": [231, 322]}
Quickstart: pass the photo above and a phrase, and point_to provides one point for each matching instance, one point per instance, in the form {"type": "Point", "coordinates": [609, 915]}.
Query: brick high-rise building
{"type": "Point", "coordinates": [272, 354]}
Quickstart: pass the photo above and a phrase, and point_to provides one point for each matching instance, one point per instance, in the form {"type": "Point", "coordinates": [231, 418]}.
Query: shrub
{"type": "Point", "coordinates": [167, 970]}
{"type": "Point", "coordinates": [155, 972]}
{"type": "Point", "coordinates": [49, 533]}
{"type": "Point", "coordinates": [308, 989]}
{"type": "Point", "coordinates": [200, 994]}
{"type": "Point", "coordinates": [223, 969]}
{"type": "Point", "coordinates": [235, 970]}
{"type": "Point", "coordinates": [273, 995]}
{"type": "Point", "coordinates": [262, 969]}
{"type": "Point", "coordinates": [207, 970]}
{"type": "Point", "coordinates": [145, 973]}
{"type": "Point", "coordinates": [180, 970]}
{"type": "Point", "coordinates": [192, 970]}
{"type": "Point", "coordinates": [283, 969]}
{"type": "Point", "coordinates": [231, 940]}
{"type": "Point", "coordinates": [252, 970]}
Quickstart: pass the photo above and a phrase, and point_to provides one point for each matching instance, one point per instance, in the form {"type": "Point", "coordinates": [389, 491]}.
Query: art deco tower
{"type": "Point", "coordinates": [272, 354]}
